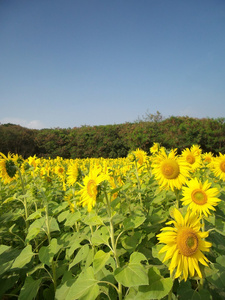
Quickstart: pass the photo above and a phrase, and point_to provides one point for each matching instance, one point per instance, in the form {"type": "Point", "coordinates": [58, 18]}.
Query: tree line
{"type": "Point", "coordinates": [112, 141]}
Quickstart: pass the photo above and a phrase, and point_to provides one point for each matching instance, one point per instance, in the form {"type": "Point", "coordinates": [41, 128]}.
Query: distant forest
{"type": "Point", "coordinates": [113, 141]}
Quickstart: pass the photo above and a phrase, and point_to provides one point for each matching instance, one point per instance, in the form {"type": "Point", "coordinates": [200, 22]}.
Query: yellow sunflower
{"type": "Point", "coordinates": [88, 193]}
{"type": "Point", "coordinates": [72, 173]}
{"type": "Point", "coordinates": [192, 157]}
{"type": "Point", "coordinates": [199, 197]}
{"type": "Point", "coordinates": [218, 166]}
{"type": "Point", "coordinates": [155, 148]}
{"type": "Point", "coordinates": [184, 245]}
{"type": "Point", "coordinates": [170, 170]}
{"type": "Point", "coordinates": [140, 156]}
{"type": "Point", "coordinates": [207, 157]}
{"type": "Point", "coordinates": [8, 169]}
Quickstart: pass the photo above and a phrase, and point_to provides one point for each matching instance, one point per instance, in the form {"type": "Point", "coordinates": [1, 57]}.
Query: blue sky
{"type": "Point", "coordinates": [95, 62]}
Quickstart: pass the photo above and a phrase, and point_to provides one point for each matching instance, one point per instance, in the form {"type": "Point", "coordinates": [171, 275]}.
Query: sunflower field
{"type": "Point", "coordinates": [140, 227]}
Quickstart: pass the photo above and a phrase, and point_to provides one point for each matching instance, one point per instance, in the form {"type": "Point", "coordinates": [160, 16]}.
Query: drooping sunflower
{"type": "Point", "coordinates": [184, 245]}
{"type": "Point", "coordinates": [199, 197]}
{"type": "Point", "coordinates": [88, 193]}
{"type": "Point", "coordinates": [192, 157]}
{"type": "Point", "coordinates": [170, 170]}
{"type": "Point", "coordinates": [218, 166]}
{"type": "Point", "coordinates": [8, 169]}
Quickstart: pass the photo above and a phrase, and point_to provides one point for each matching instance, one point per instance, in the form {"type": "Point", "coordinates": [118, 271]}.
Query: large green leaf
{"type": "Point", "coordinates": [100, 236]}
{"type": "Point", "coordinates": [158, 286]}
{"type": "Point", "coordinates": [24, 258]}
{"type": "Point", "coordinates": [133, 221]}
{"type": "Point", "coordinates": [185, 291]}
{"type": "Point", "coordinates": [46, 254]}
{"type": "Point", "coordinates": [85, 287]}
{"type": "Point", "coordinates": [35, 228]}
{"type": "Point", "coordinates": [72, 218]}
{"type": "Point", "coordinates": [100, 259]}
{"type": "Point", "coordinates": [81, 255]}
{"type": "Point", "coordinates": [133, 274]}
{"type": "Point", "coordinates": [29, 289]}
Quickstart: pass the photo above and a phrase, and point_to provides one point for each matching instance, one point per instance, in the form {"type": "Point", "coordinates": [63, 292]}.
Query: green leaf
{"type": "Point", "coordinates": [185, 291]}
{"type": "Point", "coordinates": [7, 283]}
{"type": "Point", "coordinates": [133, 222]}
{"type": "Point", "coordinates": [85, 287]}
{"type": "Point", "coordinates": [24, 258]}
{"type": "Point", "coordinates": [158, 286]}
{"type": "Point", "coordinates": [7, 258]}
{"type": "Point", "coordinates": [131, 242]}
{"type": "Point", "coordinates": [100, 236]}
{"type": "Point", "coordinates": [53, 225]}
{"type": "Point", "coordinates": [63, 216]}
{"type": "Point", "coordinates": [62, 290]}
{"type": "Point", "coordinates": [29, 289]}
{"type": "Point", "coordinates": [100, 260]}
{"type": "Point", "coordinates": [35, 228]}
{"type": "Point", "coordinates": [133, 274]}
{"type": "Point", "coordinates": [81, 255]}
{"type": "Point", "coordinates": [4, 248]}
{"type": "Point", "coordinates": [36, 215]}
{"type": "Point", "coordinates": [46, 254]}
{"type": "Point", "coordinates": [92, 219]}
{"type": "Point", "coordinates": [72, 218]}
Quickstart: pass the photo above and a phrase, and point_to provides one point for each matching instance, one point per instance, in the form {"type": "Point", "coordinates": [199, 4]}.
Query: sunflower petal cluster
{"type": "Point", "coordinates": [88, 192]}
{"type": "Point", "coordinates": [218, 166]}
{"type": "Point", "coordinates": [170, 170]}
{"type": "Point", "coordinates": [200, 197]}
{"type": "Point", "coordinates": [184, 243]}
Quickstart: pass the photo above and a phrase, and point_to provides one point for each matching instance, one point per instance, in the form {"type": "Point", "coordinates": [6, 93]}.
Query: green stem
{"type": "Point", "coordinates": [112, 236]}
{"type": "Point", "coordinates": [24, 199]}
{"type": "Point", "coordinates": [177, 193]}
{"type": "Point", "coordinates": [49, 241]}
{"type": "Point", "coordinates": [138, 182]}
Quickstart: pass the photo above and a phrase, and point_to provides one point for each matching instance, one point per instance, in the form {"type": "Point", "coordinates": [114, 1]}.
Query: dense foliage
{"type": "Point", "coordinates": [113, 141]}
{"type": "Point", "coordinates": [93, 228]}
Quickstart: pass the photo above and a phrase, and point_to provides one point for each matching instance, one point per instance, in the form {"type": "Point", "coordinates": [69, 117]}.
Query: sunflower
{"type": "Point", "coordinates": [155, 148]}
{"type": "Point", "coordinates": [192, 157]}
{"type": "Point", "coordinates": [72, 173]}
{"type": "Point", "coordinates": [218, 166]}
{"type": "Point", "coordinates": [88, 193]}
{"type": "Point", "coordinates": [207, 157]}
{"type": "Point", "coordinates": [140, 156]}
{"type": "Point", "coordinates": [184, 245]}
{"type": "Point", "coordinates": [8, 169]}
{"type": "Point", "coordinates": [170, 170]}
{"type": "Point", "coordinates": [200, 197]}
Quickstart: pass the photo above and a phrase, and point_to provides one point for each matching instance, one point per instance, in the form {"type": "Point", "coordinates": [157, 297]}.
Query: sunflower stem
{"type": "Point", "coordinates": [24, 198]}
{"type": "Point", "coordinates": [139, 183]}
{"type": "Point", "coordinates": [177, 194]}
{"type": "Point", "coordinates": [113, 242]}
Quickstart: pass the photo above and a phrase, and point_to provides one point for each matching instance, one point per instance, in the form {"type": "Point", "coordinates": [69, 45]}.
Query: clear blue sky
{"type": "Point", "coordinates": [67, 63]}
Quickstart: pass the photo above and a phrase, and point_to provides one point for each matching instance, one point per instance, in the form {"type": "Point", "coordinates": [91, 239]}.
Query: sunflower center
{"type": "Point", "coordinates": [10, 168]}
{"type": "Point", "coordinates": [199, 197]}
{"type": "Point", "coordinates": [170, 169]}
{"type": "Point", "coordinates": [60, 170]}
{"type": "Point", "coordinates": [140, 158]}
{"type": "Point", "coordinates": [92, 188]}
{"type": "Point", "coordinates": [208, 159]}
{"type": "Point", "coordinates": [222, 166]}
{"type": "Point", "coordinates": [187, 241]}
{"type": "Point", "coordinates": [190, 159]}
